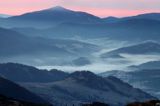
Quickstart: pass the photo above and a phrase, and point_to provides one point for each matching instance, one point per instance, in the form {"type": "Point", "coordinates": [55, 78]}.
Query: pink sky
{"type": "Point", "coordinates": [102, 8]}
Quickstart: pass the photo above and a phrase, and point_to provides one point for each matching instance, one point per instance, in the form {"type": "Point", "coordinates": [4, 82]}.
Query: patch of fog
{"type": "Point", "coordinates": [103, 42]}
{"type": "Point", "coordinates": [37, 60]}
{"type": "Point", "coordinates": [140, 59]}
{"type": "Point", "coordinates": [98, 65]}
{"type": "Point", "coordinates": [98, 54]}
{"type": "Point", "coordinates": [109, 45]}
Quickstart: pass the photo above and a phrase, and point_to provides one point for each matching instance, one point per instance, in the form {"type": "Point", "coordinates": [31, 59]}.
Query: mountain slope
{"type": "Point", "coordinates": [11, 41]}
{"type": "Point", "coordinates": [51, 17]}
{"type": "Point", "coordinates": [30, 44]}
{"type": "Point", "coordinates": [84, 87]}
{"type": "Point", "coordinates": [149, 16]}
{"type": "Point", "coordinates": [8, 101]}
{"type": "Point", "coordinates": [16, 47]}
{"type": "Point", "coordinates": [12, 90]}
{"type": "Point", "coordinates": [67, 24]}
{"type": "Point", "coordinates": [148, 47]}
{"type": "Point", "coordinates": [132, 29]}
{"type": "Point", "coordinates": [148, 65]}
{"type": "Point", "coordinates": [24, 73]}
{"type": "Point", "coordinates": [153, 16]}
{"type": "Point", "coordinates": [111, 19]}
{"type": "Point", "coordinates": [145, 79]}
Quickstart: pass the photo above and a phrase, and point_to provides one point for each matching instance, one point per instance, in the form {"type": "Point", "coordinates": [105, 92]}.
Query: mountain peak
{"type": "Point", "coordinates": [59, 8]}
{"type": "Point", "coordinates": [88, 78]}
{"type": "Point", "coordinates": [111, 17]}
{"type": "Point", "coordinates": [83, 74]}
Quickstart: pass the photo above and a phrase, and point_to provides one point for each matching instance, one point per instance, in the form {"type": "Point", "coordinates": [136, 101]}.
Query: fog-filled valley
{"type": "Point", "coordinates": [70, 57]}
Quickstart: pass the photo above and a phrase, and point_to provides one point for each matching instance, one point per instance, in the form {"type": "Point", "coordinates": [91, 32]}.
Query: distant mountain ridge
{"type": "Point", "coordinates": [55, 13]}
{"type": "Point", "coordinates": [150, 16]}
{"type": "Point", "coordinates": [153, 16]}
{"type": "Point", "coordinates": [132, 29]}
{"type": "Point", "coordinates": [50, 17]}
{"type": "Point", "coordinates": [59, 22]}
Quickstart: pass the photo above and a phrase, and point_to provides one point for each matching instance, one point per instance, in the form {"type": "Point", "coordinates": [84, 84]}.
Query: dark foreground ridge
{"type": "Point", "coordinates": [147, 103]}
{"type": "Point", "coordinates": [11, 90]}
{"type": "Point", "coordinates": [96, 104]}
{"type": "Point", "coordinates": [5, 101]}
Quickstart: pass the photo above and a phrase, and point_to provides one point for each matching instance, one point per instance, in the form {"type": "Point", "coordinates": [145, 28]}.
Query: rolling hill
{"type": "Point", "coordinates": [145, 79]}
{"type": "Point", "coordinates": [24, 73]}
{"type": "Point", "coordinates": [148, 65]}
{"type": "Point", "coordinates": [149, 47]}
{"type": "Point", "coordinates": [86, 87]}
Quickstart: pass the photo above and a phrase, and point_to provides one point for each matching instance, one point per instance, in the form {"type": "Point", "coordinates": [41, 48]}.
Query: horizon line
{"type": "Point", "coordinates": [11, 15]}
